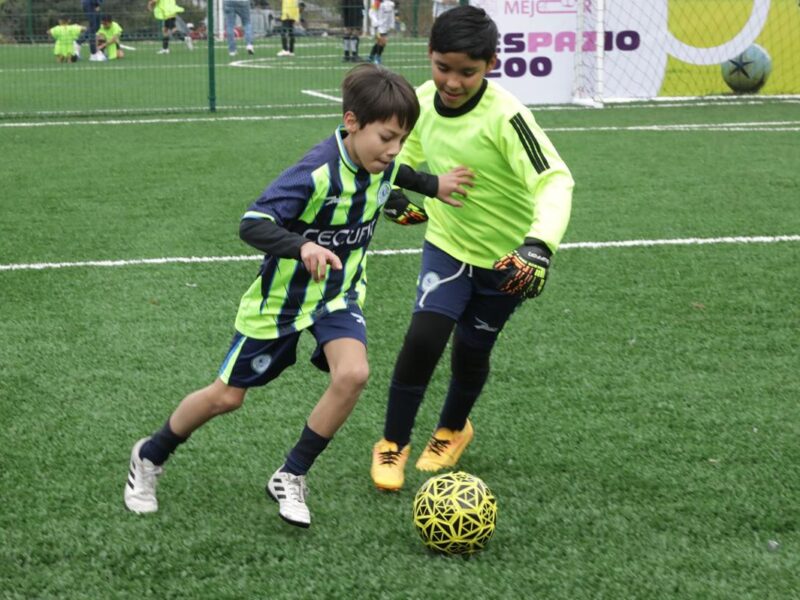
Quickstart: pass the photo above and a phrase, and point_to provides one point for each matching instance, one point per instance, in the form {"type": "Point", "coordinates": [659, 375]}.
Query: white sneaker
{"type": "Point", "coordinates": [140, 490]}
{"type": "Point", "coordinates": [97, 57]}
{"type": "Point", "coordinates": [290, 492]}
{"type": "Point", "coordinates": [250, 50]}
{"type": "Point", "coordinates": [232, 53]}
{"type": "Point", "coordinates": [285, 53]}
{"type": "Point", "coordinates": [189, 42]}
{"type": "Point", "coordinates": [163, 51]}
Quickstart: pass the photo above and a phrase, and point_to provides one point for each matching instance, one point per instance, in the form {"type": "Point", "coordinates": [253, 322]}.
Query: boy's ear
{"type": "Point", "coordinates": [492, 62]}
{"type": "Point", "coordinates": [351, 122]}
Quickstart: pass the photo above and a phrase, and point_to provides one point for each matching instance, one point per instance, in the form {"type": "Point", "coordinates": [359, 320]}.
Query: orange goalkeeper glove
{"type": "Point", "coordinates": [401, 210]}
{"type": "Point", "coordinates": [525, 268]}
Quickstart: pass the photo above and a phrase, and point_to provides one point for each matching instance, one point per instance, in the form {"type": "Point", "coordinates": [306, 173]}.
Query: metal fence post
{"type": "Point", "coordinates": [212, 82]}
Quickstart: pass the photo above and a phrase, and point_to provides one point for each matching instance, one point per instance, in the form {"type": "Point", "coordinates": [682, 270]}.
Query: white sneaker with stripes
{"type": "Point", "coordinates": [140, 489]}
{"type": "Point", "coordinates": [290, 492]}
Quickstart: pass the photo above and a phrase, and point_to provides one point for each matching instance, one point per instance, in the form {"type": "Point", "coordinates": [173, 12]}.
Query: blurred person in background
{"type": "Point", "coordinates": [381, 16]}
{"type": "Point", "coordinates": [108, 37]}
{"type": "Point", "coordinates": [241, 9]}
{"type": "Point", "coordinates": [352, 19]}
{"type": "Point", "coordinates": [167, 11]}
{"type": "Point", "coordinates": [91, 8]}
{"type": "Point", "coordinates": [290, 14]}
{"type": "Point", "coordinates": [65, 34]}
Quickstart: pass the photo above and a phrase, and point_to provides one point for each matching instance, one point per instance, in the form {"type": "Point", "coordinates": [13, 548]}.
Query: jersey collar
{"type": "Point", "coordinates": [446, 111]}
{"type": "Point", "coordinates": [341, 133]}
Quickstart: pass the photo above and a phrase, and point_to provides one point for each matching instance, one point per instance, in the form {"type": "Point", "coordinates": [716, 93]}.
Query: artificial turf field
{"type": "Point", "coordinates": [639, 428]}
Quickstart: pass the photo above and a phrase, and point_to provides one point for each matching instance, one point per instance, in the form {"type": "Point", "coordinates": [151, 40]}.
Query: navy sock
{"type": "Point", "coordinates": [305, 452]}
{"type": "Point", "coordinates": [162, 443]}
{"type": "Point", "coordinates": [401, 412]}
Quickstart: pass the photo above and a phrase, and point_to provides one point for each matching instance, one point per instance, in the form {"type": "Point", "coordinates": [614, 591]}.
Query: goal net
{"type": "Point", "coordinates": [674, 48]}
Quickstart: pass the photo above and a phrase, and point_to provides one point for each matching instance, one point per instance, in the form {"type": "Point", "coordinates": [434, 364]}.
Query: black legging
{"type": "Point", "coordinates": [287, 34]}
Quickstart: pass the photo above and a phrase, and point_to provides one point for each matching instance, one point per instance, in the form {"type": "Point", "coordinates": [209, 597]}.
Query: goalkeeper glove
{"type": "Point", "coordinates": [401, 210]}
{"type": "Point", "coordinates": [525, 268]}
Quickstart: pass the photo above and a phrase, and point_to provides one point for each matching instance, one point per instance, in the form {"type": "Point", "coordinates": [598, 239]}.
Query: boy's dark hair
{"type": "Point", "coordinates": [373, 93]}
{"type": "Point", "coordinates": [466, 29]}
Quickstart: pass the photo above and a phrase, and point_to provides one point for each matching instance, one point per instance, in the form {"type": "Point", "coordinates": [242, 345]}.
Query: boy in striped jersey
{"type": "Point", "coordinates": [314, 223]}
{"type": "Point", "coordinates": [478, 262]}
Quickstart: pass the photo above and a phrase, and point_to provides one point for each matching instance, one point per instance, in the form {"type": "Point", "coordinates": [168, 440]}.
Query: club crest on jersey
{"type": "Point", "coordinates": [383, 193]}
{"type": "Point", "coordinates": [261, 363]}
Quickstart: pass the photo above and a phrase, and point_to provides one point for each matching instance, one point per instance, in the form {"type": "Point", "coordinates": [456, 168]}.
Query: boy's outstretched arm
{"type": "Point", "coordinates": [401, 210]}
{"type": "Point", "coordinates": [442, 187]}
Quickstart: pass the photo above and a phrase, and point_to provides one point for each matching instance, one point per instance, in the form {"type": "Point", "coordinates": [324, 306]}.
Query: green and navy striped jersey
{"type": "Point", "coordinates": [326, 198]}
{"type": "Point", "coordinates": [522, 188]}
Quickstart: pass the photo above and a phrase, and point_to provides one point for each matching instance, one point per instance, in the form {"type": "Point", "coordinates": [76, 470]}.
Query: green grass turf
{"type": "Point", "coordinates": [639, 428]}
{"type": "Point", "coordinates": [32, 83]}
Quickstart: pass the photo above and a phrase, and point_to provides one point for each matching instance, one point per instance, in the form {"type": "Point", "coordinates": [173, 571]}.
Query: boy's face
{"type": "Point", "coordinates": [375, 145]}
{"type": "Point", "coordinates": [457, 76]}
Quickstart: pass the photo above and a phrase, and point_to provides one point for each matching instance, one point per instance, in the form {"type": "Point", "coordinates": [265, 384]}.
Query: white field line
{"type": "Point", "coordinates": [177, 120]}
{"type": "Point", "coordinates": [253, 257]}
{"type": "Point", "coordinates": [321, 94]}
{"type": "Point", "coordinates": [733, 126]}
{"type": "Point", "coordinates": [764, 126]}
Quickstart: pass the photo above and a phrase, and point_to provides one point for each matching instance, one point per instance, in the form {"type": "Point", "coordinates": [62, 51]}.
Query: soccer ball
{"type": "Point", "coordinates": [455, 513]}
{"type": "Point", "coordinates": [748, 72]}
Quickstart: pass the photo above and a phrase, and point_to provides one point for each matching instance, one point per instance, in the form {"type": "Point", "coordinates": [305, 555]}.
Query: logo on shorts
{"type": "Point", "coordinates": [429, 281]}
{"type": "Point", "coordinates": [359, 319]}
{"type": "Point", "coordinates": [383, 193]}
{"type": "Point", "coordinates": [483, 325]}
{"type": "Point", "coordinates": [261, 363]}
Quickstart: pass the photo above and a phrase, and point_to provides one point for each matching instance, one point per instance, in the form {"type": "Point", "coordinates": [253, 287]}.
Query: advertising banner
{"type": "Point", "coordinates": [540, 46]}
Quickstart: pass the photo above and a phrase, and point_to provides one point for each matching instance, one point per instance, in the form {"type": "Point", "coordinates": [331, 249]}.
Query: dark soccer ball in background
{"type": "Point", "coordinates": [748, 72]}
{"type": "Point", "coordinates": [455, 513]}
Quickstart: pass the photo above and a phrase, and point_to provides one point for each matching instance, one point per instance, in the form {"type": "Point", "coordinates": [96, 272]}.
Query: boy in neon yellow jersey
{"type": "Point", "coordinates": [314, 224]}
{"type": "Point", "coordinates": [479, 262]}
{"type": "Point", "coordinates": [167, 11]}
{"type": "Point", "coordinates": [108, 37]}
{"type": "Point", "coordinates": [65, 36]}
{"type": "Point", "coordinates": [290, 14]}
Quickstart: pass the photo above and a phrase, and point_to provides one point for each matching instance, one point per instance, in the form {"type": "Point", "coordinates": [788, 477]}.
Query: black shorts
{"type": "Point", "coordinates": [169, 23]}
{"type": "Point", "coordinates": [352, 14]}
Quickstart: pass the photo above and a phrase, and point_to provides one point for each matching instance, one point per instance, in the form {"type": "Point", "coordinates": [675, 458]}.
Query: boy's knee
{"type": "Point", "coordinates": [351, 378]}
{"type": "Point", "coordinates": [229, 398]}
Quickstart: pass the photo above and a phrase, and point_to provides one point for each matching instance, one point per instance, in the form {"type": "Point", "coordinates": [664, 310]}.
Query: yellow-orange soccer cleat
{"type": "Point", "coordinates": [445, 448]}
{"type": "Point", "coordinates": [388, 465]}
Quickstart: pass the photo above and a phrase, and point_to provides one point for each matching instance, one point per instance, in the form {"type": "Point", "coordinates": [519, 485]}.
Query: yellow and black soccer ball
{"type": "Point", "coordinates": [455, 513]}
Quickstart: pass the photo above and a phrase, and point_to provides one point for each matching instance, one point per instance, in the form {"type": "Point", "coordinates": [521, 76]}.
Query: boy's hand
{"type": "Point", "coordinates": [526, 269]}
{"type": "Point", "coordinates": [316, 259]}
{"type": "Point", "coordinates": [401, 210]}
{"type": "Point", "coordinates": [453, 182]}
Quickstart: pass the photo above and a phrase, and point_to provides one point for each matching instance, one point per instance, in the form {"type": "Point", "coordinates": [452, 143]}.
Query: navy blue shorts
{"type": "Point", "coordinates": [465, 293]}
{"type": "Point", "coordinates": [252, 363]}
